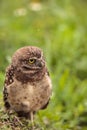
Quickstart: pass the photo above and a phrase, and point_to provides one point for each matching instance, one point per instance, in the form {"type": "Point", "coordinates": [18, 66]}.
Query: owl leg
{"type": "Point", "coordinates": [32, 120]}
{"type": "Point", "coordinates": [31, 117]}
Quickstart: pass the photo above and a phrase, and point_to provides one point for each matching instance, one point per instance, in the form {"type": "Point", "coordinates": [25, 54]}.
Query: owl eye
{"type": "Point", "coordinates": [31, 61]}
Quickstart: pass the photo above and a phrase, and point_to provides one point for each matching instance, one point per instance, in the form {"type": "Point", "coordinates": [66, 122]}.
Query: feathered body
{"type": "Point", "coordinates": [27, 84]}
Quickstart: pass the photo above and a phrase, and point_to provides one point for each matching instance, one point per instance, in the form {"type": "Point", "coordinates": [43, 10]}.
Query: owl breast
{"type": "Point", "coordinates": [31, 96]}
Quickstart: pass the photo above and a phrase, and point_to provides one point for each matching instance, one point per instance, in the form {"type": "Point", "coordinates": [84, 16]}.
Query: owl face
{"type": "Point", "coordinates": [29, 58]}
{"type": "Point", "coordinates": [29, 61]}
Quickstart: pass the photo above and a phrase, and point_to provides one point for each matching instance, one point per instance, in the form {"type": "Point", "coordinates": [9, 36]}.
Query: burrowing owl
{"type": "Point", "coordinates": [27, 86]}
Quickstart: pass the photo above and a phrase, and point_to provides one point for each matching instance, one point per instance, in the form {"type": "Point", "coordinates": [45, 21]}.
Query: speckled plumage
{"type": "Point", "coordinates": [27, 85]}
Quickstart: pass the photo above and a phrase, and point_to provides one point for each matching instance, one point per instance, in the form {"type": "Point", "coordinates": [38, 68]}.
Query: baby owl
{"type": "Point", "coordinates": [27, 87]}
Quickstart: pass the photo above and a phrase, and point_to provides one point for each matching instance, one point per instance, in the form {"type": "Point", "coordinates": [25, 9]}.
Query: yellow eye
{"type": "Point", "coordinates": [31, 61]}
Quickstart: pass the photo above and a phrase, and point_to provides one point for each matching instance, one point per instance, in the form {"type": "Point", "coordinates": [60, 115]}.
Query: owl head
{"type": "Point", "coordinates": [29, 63]}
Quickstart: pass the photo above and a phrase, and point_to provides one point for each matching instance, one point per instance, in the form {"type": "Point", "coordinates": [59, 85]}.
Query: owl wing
{"type": "Point", "coordinates": [45, 106]}
{"type": "Point", "coordinates": [8, 80]}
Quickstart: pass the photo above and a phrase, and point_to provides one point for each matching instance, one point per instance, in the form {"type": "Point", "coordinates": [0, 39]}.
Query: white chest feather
{"type": "Point", "coordinates": [30, 96]}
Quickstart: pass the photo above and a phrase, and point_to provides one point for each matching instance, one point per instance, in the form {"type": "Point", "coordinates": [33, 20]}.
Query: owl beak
{"type": "Point", "coordinates": [40, 64]}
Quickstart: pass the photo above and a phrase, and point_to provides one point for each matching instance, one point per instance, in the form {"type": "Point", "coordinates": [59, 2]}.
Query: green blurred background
{"type": "Point", "coordinates": [59, 27]}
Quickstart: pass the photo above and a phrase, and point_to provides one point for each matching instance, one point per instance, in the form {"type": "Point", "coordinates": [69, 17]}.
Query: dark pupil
{"type": "Point", "coordinates": [32, 60]}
